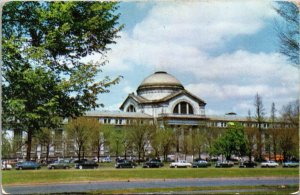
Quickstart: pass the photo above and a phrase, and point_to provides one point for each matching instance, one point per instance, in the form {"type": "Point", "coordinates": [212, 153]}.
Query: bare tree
{"type": "Point", "coordinates": [259, 118]}
{"type": "Point", "coordinates": [250, 134]}
{"type": "Point", "coordinates": [288, 30]}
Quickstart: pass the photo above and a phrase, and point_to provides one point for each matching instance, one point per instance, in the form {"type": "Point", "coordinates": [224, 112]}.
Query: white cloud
{"type": "Point", "coordinates": [180, 36]}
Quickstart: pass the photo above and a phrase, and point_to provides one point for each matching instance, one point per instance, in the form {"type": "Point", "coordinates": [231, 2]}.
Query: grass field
{"type": "Point", "coordinates": [111, 174]}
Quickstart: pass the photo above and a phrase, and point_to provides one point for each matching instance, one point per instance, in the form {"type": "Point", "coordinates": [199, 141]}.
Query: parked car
{"type": "Point", "coordinates": [180, 164]}
{"type": "Point", "coordinates": [125, 164]}
{"type": "Point", "coordinates": [269, 163]}
{"type": "Point", "coordinates": [290, 164]}
{"type": "Point", "coordinates": [27, 165]}
{"type": "Point", "coordinates": [224, 164]}
{"type": "Point", "coordinates": [60, 164]}
{"type": "Point", "coordinates": [153, 163]}
{"type": "Point", "coordinates": [6, 166]}
{"type": "Point", "coordinates": [86, 164]}
{"type": "Point", "coordinates": [248, 164]}
{"type": "Point", "coordinates": [200, 163]}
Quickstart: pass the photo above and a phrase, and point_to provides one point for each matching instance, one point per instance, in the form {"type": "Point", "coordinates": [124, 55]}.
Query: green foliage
{"type": "Point", "coordinates": [43, 73]}
{"type": "Point", "coordinates": [6, 147]}
{"type": "Point", "coordinates": [231, 142]}
{"type": "Point", "coordinates": [163, 140]}
{"type": "Point", "coordinates": [81, 130]}
{"type": "Point", "coordinates": [119, 142]}
{"type": "Point", "coordinates": [139, 134]}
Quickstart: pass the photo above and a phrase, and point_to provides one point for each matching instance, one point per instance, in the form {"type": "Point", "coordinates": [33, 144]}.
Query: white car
{"type": "Point", "coordinates": [180, 163]}
{"type": "Point", "coordinates": [269, 163]}
{"type": "Point", "coordinates": [6, 166]}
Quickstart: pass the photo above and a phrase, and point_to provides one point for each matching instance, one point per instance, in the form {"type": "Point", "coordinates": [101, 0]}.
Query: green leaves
{"type": "Point", "coordinates": [233, 141]}
{"type": "Point", "coordinates": [43, 43]}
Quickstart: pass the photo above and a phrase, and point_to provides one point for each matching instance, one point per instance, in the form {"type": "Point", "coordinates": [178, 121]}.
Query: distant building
{"type": "Point", "coordinates": [160, 99]}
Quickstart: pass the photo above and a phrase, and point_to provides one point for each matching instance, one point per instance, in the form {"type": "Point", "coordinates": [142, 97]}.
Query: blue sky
{"type": "Point", "coordinates": [223, 52]}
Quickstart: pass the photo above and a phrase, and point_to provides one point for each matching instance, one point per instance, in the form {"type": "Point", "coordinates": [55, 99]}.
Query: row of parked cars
{"type": "Point", "coordinates": [153, 163]}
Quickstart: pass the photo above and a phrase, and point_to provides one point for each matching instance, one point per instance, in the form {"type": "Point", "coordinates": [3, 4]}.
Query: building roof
{"type": "Point", "coordinates": [141, 100]}
{"type": "Point", "coordinates": [160, 79]}
{"type": "Point", "coordinates": [118, 114]}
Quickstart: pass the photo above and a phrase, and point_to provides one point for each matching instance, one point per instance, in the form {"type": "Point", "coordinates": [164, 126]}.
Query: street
{"type": "Point", "coordinates": [90, 186]}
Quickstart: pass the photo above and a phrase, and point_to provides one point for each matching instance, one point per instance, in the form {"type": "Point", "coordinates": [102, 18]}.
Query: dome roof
{"type": "Point", "coordinates": [160, 79]}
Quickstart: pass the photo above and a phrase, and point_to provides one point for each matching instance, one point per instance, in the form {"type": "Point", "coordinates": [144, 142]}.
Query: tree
{"type": "Point", "coordinates": [273, 130]}
{"type": "Point", "coordinates": [119, 142]}
{"type": "Point", "coordinates": [231, 142]}
{"type": "Point", "coordinates": [186, 146]}
{"type": "Point", "coordinates": [43, 44]}
{"type": "Point", "coordinates": [259, 118]}
{"type": "Point", "coordinates": [96, 136]}
{"type": "Point", "coordinates": [139, 136]}
{"type": "Point", "coordinates": [288, 31]}
{"type": "Point", "coordinates": [79, 130]}
{"type": "Point", "coordinates": [290, 113]}
{"type": "Point", "coordinates": [288, 135]}
{"type": "Point", "coordinates": [198, 141]}
{"type": "Point", "coordinates": [6, 147]}
{"type": "Point", "coordinates": [288, 139]}
{"type": "Point", "coordinates": [163, 140]}
{"type": "Point", "coordinates": [250, 134]}
{"type": "Point", "coordinates": [45, 138]}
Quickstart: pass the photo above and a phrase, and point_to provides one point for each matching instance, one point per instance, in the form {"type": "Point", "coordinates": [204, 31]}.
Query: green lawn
{"type": "Point", "coordinates": [111, 174]}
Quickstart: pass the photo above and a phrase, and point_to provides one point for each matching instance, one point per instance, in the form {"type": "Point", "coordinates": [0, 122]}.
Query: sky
{"type": "Point", "coordinates": [223, 52]}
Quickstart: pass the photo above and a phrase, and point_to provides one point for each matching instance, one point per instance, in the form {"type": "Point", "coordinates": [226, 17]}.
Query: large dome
{"type": "Point", "coordinates": [159, 85]}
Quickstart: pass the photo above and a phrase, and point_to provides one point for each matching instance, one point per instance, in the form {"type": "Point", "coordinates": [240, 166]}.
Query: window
{"type": "Point", "coordinates": [183, 108]}
{"type": "Point", "coordinates": [131, 108]}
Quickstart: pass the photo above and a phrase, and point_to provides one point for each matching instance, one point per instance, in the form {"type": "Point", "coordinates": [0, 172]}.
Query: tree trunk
{"type": "Point", "coordinates": [98, 152]}
{"type": "Point", "coordinates": [139, 156]}
{"type": "Point", "coordinates": [29, 142]}
{"type": "Point", "coordinates": [47, 152]}
{"type": "Point", "coordinates": [79, 151]}
{"type": "Point", "coordinates": [274, 149]}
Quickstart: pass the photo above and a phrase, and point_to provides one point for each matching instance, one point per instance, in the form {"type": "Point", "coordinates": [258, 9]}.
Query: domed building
{"type": "Point", "coordinates": [162, 96]}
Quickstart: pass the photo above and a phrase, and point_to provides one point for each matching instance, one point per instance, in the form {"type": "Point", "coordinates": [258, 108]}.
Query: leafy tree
{"type": "Point", "coordinates": [6, 147]}
{"type": "Point", "coordinates": [186, 146]}
{"type": "Point", "coordinates": [198, 141]}
{"type": "Point", "coordinates": [43, 44]}
{"type": "Point", "coordinates": [79, 130]}
{"type": "Point", "coordinates": [96, 136]}
{"type": "Point", "coordinates": [139, 134]}
{"type": "Point", "coordinates": [45, 138]}
{"type": "Point", "coordinates": [162, 141]}
{"type": "Point", "coordinates": [231, 142]}
{"type": "Point", "coordinates": [119, 142]}
{"type": "Point", "coordinates": [288, 30]}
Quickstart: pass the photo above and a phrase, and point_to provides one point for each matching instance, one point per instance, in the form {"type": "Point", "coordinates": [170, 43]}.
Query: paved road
{"type": "Point", "coordinates": [89, 186]}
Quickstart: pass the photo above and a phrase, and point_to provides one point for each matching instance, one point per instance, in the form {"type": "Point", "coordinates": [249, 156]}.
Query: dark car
{"type": "Point", "coordinates": [60, 164]}
{"type": "Point", "coordinates": [153, 163]}
{"type": "Point", "coordinates": [200, 163]}
{"type": "Point", "coordinates": [248, 164]}
{"type": "Point", "coordinates": [222, 164]}
{"type": "Point", "coordinates": [27, 165]}
{"type": "Point", "coordinates": [125, 164]}
{"type": "Point", "coordinates": [86, 164]}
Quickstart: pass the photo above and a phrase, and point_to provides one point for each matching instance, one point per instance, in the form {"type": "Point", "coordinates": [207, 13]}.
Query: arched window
{"type": "Point", "coordinates": [183, 108]}
{"type": "Point", "coordinates": [131, 108]}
